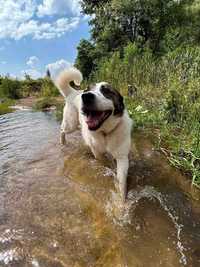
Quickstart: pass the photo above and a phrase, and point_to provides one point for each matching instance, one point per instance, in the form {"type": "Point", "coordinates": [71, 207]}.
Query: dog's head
{"type": "Point", "coordinates": [100, 102]}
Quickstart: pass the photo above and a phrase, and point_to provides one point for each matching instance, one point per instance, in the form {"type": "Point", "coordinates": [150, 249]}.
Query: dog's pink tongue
{"type": "Point", "coordinates": [92, 122]}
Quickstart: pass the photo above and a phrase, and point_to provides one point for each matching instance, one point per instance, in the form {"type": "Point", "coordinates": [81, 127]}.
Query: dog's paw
{"type": "Point", "coordinates": [122, 191]}
{"type": "Point", "coordinates": [62, 139]}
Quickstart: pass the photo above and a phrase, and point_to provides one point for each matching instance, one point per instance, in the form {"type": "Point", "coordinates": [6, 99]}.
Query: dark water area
{"type": "Point", "coordinates": [59, 206]}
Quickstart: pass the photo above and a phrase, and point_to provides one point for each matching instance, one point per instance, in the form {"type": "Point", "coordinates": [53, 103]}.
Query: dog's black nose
{"type": "Point", "coordinates": [88, 98]}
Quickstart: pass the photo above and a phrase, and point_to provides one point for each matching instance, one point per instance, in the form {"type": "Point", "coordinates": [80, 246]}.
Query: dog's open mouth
{"type": "Point", "coordinates": [95, 118]}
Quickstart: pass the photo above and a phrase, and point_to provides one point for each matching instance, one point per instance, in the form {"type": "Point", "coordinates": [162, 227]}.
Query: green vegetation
{"type": "Point", "coordinates": [4, 106]}
{"type": "Point", "coordinates": [152, 47]}
{"type": "Point", "coordinates": [44, 103]}
{"type": "Point", "coordinates": [59, 111]}
{"type": "Point", "coordinates": [9, 88]}
{"type": "Point", "coordinates": [14, 89]}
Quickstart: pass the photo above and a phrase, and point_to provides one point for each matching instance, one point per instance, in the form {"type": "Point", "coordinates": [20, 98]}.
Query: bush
{"type": "Point", "coordinates": [48, 89]}
{"type": "Point", "coordinates": [10, 88]}
{"type": "Point", "coordinates": [31, 87]}
{"type": "Point", "coordinates": [168, 97]}
{"type": "Point", "coordinates": [15, 89]}
{"type": "Point", "coordinates": [45, 103]}
{"type": "Point", "coordinates": [4, 107]}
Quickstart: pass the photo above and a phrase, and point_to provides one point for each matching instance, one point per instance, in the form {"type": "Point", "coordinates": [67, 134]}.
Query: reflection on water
{"type": "Point", "coordinates": [21, 135]}
{"type": "Point", "coordinates": [59, 207]}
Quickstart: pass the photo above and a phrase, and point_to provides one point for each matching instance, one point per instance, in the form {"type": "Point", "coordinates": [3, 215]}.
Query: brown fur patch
{"type": "Point", "coordinates": [115, 96]}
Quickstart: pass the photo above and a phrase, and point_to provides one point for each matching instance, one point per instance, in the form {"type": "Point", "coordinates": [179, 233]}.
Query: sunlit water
{"type": "Point", "coordinates": [59, 206]}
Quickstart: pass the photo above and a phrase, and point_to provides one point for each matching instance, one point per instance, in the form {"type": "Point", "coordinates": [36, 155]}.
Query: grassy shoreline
{"type": "Point", "coordinates": [169, 137]}
{"type": "Point", "coordinates": [180, 145]}
{"type": "Point", "coordinates": [5, 106]}
{"type": "Point", "coordinates": [181, 149]}
{"type": "Point", "coordinates": [165, 97]}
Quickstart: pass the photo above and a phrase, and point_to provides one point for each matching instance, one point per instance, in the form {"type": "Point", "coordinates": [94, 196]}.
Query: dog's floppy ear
{"type": "Point", "coordinates": [119, 104]}
{"type": "Point", "coordinates": [112, 94]}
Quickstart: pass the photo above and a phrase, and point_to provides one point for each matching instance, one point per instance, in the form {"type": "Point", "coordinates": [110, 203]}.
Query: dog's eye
{"type": "Point", "coordinates": [105, 90]}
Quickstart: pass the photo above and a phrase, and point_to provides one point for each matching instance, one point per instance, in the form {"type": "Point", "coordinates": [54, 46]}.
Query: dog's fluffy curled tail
{"type": "Point", "coordinates": [65, 77]}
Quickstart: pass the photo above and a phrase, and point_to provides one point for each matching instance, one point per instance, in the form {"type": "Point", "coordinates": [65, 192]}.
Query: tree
{"type": "Point", "coordinates": [148, 24]}
{"type": "Point", "coordinates": [48, 74]}
{"type": "Point", "coordinates": [27, 76]}
{"type": "Point", "coordinates": [85, 60]}
{"type": "Point", "coordinates": [10, 88]}
{"type": "Point", "coordinates": [141, 21]}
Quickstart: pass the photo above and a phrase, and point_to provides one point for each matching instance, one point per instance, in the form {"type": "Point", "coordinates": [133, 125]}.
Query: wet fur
{"type": "Point", "coordinates": [114, 135]}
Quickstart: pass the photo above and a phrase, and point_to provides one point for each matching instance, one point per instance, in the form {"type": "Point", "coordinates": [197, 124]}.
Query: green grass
{"type": "Point", "coordinates": [45, 103]}
{"type": "Point", "coordinates": [59, 111]}
{"type": "Point", "coordinates": [4, 107]}
{"type": "Point", "coordinates": [167, 101]}
{"type": "Point", "coordinates": [179, 141]}
{"type": "Point", "coordinates": [183, 145]}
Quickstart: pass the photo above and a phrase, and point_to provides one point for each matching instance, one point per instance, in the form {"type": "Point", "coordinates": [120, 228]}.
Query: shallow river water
{"type": "Point", "coordinates": [59, 206]}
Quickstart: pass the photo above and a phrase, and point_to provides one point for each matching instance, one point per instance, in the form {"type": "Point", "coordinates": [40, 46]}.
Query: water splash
{"type": "Point", "coordinates": [35, 263]}
{"type": "Point", "coordinates": [122, 216]}
{"type": "Point", "coordinates": [10, 255]}
{"type": "Point", "coordinates": [11, 234]}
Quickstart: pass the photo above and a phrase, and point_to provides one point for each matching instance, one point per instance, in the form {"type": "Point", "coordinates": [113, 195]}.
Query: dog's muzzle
{"type": "Point", "coordinates": [88, 99]}
{"type": "Point", "coordinates": [94, 117]}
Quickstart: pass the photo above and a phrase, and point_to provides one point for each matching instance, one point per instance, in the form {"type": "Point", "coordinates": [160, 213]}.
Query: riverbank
{"type": "Point", "coordinates": [180, 143]}
{"type": "Point", "coordinates": [32, 102]}
{"type": "Point", "coordinates": [5, 106]}
{"type": "Point", "coordinates": [9, 105]}
{"type": "Point", "coordinates": [27, 101]}
{"type": "Point", "coordinates": [174, 142]}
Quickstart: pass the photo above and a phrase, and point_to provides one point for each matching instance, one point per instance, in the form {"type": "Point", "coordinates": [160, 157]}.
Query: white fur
{"type": "Point", "coordinates": [114, 136]}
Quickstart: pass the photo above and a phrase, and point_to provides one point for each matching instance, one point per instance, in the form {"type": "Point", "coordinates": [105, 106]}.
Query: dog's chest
{"type": "Point", "coordinates": [99, 140]}
{"type": "Point", "coordinates": [102, 141]}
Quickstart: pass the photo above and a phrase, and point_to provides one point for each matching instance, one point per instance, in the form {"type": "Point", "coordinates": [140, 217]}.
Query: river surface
{"type": "Point", "coordinates": [59, 206]}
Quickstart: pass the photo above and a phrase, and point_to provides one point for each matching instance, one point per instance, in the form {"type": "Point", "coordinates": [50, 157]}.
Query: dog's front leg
{"type": "Point", "coordinates": [122, 171]}
{"type": "Point", "coordinates": [62, 132]}
{"type": "Point", "coordinates": [62, 138]}
{"type": "Point", "coordinates": [70, 122]}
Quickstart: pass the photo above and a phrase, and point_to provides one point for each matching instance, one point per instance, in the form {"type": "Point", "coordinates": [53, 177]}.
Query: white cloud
{"type": "Point", "coordinates": [32, 61]}
{"type": "Point", "coordinates": [54, 68]}
{"type": "Point", "coordinates": [13, 13]}
{"type": "Point", "coordinates": [32, 71]}
{"type": "Point", "coordinates": [18, 20]}
{"type": "Point", "coordinates": [57, 66]}
{"type": "Point", "coordinates": [17, 10]}
{"type": "Point", "coordinates": [46, 30]}
{"type": "Point", "coordinates": [59, 7]}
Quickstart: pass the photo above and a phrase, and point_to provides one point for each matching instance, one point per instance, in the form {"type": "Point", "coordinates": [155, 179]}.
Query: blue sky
{"type": "Point", "coordinates": [39, 34]}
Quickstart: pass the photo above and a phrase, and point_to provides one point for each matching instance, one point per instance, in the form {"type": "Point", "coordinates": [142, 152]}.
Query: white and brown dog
{"type": "Point", "coordinates": [105, 123]}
